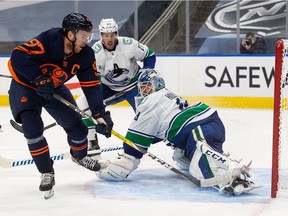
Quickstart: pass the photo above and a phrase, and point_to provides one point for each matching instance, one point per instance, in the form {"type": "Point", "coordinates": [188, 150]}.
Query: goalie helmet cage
{"type": "Point", "coordinates": [279, 180]}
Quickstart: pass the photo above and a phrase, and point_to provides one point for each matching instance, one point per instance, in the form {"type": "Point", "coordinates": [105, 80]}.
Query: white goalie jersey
{"type": "Point", "coordinates": [159, 116]}
{"type": "Point", "coordinates": [119, 68]}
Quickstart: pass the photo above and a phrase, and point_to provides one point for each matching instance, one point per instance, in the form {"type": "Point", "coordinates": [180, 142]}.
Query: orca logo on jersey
{"type": "Point", "coordinates": [120, 73]}
{"type": "Point", "coordinates": [58, 75]}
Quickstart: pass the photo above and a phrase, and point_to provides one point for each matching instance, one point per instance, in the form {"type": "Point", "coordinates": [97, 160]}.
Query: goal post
{"type": "Point", "coordinates": [279, 178]}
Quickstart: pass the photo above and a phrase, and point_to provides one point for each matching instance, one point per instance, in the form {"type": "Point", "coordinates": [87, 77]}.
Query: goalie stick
{"type": "Point", "coordinates": [18, 127]}
{"type": "Point", "coordinates": [10, 163]}
{"type": "Point", "coordinates": [128, 142]}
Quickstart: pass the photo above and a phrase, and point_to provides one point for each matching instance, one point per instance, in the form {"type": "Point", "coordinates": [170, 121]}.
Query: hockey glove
{"type": "Point", "coordinates": [105, 124]}
{"type": "Point", "coordinates": [45, 86]}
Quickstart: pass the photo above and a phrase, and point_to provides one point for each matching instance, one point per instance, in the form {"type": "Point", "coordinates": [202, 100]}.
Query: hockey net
{"type": "Point", "coordinates": [279, 183]}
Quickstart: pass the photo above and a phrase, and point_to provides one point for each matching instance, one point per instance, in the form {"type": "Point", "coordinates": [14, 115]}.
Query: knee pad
{"type": "Point", "coordinates": [32, 123]}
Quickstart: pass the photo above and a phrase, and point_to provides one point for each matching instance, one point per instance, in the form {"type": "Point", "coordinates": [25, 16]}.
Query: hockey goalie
{"type": "Point", "coordinates": [195, 131]}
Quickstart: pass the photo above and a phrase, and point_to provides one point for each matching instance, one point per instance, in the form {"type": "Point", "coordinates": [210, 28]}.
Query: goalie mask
{"type": "Point", "coordinates": [108, 26]}
{"type": "Point", "coordinates": [150, 81]}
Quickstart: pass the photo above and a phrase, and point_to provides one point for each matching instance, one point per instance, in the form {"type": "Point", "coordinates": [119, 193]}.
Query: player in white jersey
{"type": "Point", "coordinates": [116, 60]}
{"type": "Point", "coordinates": [196, 132]}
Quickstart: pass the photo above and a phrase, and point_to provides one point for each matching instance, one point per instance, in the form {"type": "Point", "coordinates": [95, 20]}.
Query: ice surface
{"type": "Point", "coordinates": [150, 190]}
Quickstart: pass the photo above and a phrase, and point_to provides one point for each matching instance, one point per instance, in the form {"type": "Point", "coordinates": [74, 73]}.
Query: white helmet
{"type": "Point", "coordinates": [108, 26]}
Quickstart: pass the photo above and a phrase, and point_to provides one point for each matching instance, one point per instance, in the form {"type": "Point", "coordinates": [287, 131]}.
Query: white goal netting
{"type": "Point", "coordinates": [280, 124]}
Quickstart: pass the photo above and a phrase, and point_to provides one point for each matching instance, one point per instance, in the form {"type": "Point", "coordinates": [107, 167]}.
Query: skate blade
{"type": "Point", "coordinates": [246, 190]}
{"type": "Point", "coordinates": [48, 194]}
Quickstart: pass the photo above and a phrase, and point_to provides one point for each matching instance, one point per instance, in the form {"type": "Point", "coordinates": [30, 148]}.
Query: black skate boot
{"type": "Point", "coordinates": [238, 186]}
{"type": "Point", "coordinates": [87, 162]}
{"type": "Point", "coordinates": [93, 144]}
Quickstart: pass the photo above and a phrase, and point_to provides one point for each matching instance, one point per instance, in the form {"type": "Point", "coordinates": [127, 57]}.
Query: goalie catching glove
{"type": "Point", "coordinates": [119, 169]}
{"type": "Point", "coordinates": [105, 124]}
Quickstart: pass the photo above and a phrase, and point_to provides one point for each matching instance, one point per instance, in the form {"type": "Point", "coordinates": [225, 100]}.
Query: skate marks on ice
{"type": "Point", "coordinates": [159, 184]}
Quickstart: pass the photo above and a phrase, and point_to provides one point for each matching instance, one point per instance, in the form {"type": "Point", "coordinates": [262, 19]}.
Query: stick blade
{"type": "Point", "coordinates": [5, 163]}
{"type": "Point", "coordinates": [16, 126]}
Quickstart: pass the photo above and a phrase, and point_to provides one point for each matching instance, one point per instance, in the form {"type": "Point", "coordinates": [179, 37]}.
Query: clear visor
{"type": "Point", "coordinates": [85, 37]}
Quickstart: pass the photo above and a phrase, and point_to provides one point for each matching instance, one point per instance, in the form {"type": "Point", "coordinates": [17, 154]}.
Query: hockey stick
{"type": "Point", "coordinates": [128, 142]}
{"type": "Point", "coordinates": [6, 76]}
{"type": "Point", "coordinates": [9, 163]}
{"type": "Point", "coordinates": [18, 127]}
{"type": "Point", "coordinates": [119, 94]}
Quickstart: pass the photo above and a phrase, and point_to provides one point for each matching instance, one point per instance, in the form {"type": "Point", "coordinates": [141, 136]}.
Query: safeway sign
{"type": "Point", "coordinates": [239, 76]}
{"type": "Point", "coordinates": [219, 75]}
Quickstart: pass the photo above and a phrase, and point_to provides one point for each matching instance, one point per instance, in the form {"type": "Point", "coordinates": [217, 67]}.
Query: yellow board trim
{"type": "Point", "coordinates": [219, 101]}
{"type": "Point", "coordinates": [234, 102]}
{"type": "Point", "coordinates": [4, 100]}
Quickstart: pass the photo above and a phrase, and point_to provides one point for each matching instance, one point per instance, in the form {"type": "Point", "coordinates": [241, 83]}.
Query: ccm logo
{"type": "Point", "coordinates": [215, 156]}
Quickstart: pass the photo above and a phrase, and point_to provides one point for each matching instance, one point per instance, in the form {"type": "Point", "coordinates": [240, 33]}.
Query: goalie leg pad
{"type": "Point", "coordinates": [113, 172]}
{"type": "Point", "coordinates": [224, 161]}
{"type": "Point", "coordinates": [214, 168]}
{"type": "Point", "coordinates": [181, 160]}
{"type": "Point", "coordinates": [208, 171]}
{"type": "Point", "coordinates": [119, 169]}
{"type": "Point", "coordinates": [183, 163]}
{"type": "Point", "coordinates": [222, 171]}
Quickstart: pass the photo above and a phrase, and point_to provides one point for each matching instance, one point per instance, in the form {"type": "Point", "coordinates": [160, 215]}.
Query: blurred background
{"type": "Point", "coordinates": [174, 27]}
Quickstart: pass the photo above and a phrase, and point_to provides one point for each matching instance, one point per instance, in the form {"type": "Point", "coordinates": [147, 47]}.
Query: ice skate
{"type": "Point", "coordinates": [240, 183]}
{"type": "Point", "coordinates": [238, 186]}
{"type": "Point", "coordinates": [46, 184]}
{"type": "Point", "coordinates": [87, 162]}
{"type": "Point", "coordinates": [93, 145]}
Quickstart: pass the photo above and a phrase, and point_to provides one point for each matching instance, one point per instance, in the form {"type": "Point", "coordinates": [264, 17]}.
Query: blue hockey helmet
{"type": "Point", "coordinates": [150, 81]}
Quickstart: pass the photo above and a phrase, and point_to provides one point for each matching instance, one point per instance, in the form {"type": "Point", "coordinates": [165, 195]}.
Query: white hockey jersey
{"type": "Point", "coordinates": [119, 68]}
{"type": "Point", "coordinates": [159, 116]}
